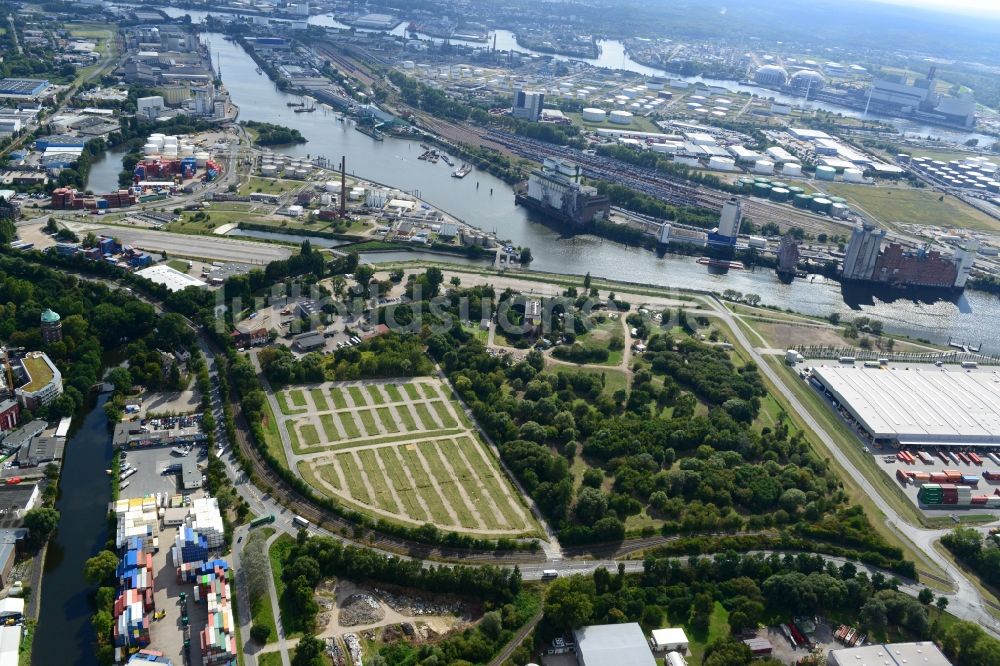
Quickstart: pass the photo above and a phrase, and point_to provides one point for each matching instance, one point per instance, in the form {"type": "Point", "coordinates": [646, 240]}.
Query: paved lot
{"type": "Point", "coordinates": [170, 402]}
{"type": "Point", "coordinates": [222, 249]}
{"type": "Point", "coordinates": [167, 634]}
{"type": "Point", "coordinates": [149, 479]}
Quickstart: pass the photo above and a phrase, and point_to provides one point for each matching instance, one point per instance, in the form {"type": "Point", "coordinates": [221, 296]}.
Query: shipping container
{"type": "Point", "coordinates": [976, 460]}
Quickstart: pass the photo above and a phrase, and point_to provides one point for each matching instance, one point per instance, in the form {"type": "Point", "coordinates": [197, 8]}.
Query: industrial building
{"type": "Point", "coordinates": [23, 88]}
{"type": "Point", "coordinates": [729, 224]}
{"type": "Point", "coordinates": [528, 105]}
{"type": "Point", "coordinates": [895, 96]}
{"type": "Point", "coordinates": [894, 654]}
{"type": "Point", "coordinates": [865, 261]}
{"type": "Point", "coordinates": [613, 645]}
{"type": "Point", "coordinates": [170, 278]}
{"type": "Point", "coordinates": [557, 191]}
{"type": "Point", "coordinates": [920, 407]}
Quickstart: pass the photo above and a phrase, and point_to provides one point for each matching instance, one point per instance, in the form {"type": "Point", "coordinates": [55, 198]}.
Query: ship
{"type": "Point", "coordinates": [305, 109]}
{"type": "Point", "coordinates": [295, 104]}
{"type": "Point", "coordinates": [721, 263]}
{"type": "Point", "coordinates": [462, 171]}
{"type": "Point", "coordinates": [447, 160]}
{"type": "Point", "coordinates": [373, 132]}
{"type": "Point", "coordinates": [260, 72]}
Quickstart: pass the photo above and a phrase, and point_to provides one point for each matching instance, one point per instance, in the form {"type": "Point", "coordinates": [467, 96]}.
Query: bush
{"type": "Point", "coordinates": [260, 633]}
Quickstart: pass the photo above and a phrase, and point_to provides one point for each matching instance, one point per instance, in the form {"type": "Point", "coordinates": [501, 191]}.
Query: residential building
{"type": "Point", "coordinates": [41, 380]}
{"type": "Point", "coordinates": [10, 414]}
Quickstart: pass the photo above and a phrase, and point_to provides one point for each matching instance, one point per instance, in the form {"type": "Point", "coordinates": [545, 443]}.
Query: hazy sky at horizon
{"type": "Point", "coordinates": [981, 7]}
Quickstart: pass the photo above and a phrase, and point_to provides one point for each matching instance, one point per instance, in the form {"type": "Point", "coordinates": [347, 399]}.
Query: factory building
{"type": "Point", "coordinates": [913, 407]}
{"type": "Point", "coordinates": [528, 105]}
{"type": "Point", "coordinates": [894, 95]}
{"type": "Point", "coordinates": [788, 257]}
{"type": "Point", "coordinates": [557, 191]}
{"type": "Point", "coordinates": [895, 654]}
{"type": "Point", "coordinates": [807, 80]}
{"type": "Point", "coordinates": [862, 251]}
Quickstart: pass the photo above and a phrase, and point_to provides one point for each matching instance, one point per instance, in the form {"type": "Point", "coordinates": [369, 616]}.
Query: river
{"type": "Point", "coordinates": [970, 318]}
{"type": "Point", "coordinates": [64, 635]}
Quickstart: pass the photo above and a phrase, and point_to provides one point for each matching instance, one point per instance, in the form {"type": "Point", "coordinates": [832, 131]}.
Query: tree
{"type": "Point", "coordinates": [100, 568]}
{"type": "Point", "coordinates": [569, 602]}
{"type": "Point", "coordinates": [925, 596]}
{"type": "Point", "coordinates": [40, 523]}
{"type": "Point", "coordinates": [586, 281]}
{"type": "Point", "coordinates": [260, 633]}
{"type": "Point", "coordinates": [309, 652]}
{"type": "Point", "coordinates": [121, 379]}
{"type": "Point", "coordinates": [941, 603]}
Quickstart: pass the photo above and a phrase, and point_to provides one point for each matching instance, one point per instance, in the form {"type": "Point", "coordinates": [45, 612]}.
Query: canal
{"type": "Point", "coordinates": [64, 635]}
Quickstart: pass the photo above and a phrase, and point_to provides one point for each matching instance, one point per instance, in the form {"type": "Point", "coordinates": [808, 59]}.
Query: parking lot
{"type": "Point", "coordinates": [170, 402]}
{"type": "Point", "coordinates": [149, 478]}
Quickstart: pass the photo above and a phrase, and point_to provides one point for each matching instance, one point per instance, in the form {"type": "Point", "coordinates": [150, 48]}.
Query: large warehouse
{"type": "Point", "coordinates": [927, 406]}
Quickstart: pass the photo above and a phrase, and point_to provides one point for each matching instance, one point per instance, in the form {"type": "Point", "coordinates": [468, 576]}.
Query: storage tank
{"type": "Point", "coordinates": [853, 176]}
{"type": "Point", "coordinates": [592, 115]}
{"type": "Point", "coordinates": [993, 186]}
{"type": "Point", "coordinates": [779, 194]}
{"type": "Point", "coordinates": [332, 186]}
{"type": "Point", "coordinates": [825, 173]}
{"type": "Point", "coordinates": [791, 169]}
{"type": "Point", "coordinates": [802, 200]}
{"type": "Point", "coordinates": [621, 117]}
{"type": "Point", "coordinates": [821, 205]}
{"type": "Point", "coordinates": [720, 163]}
{"type": "Point", "coordinates": [201, 157]}
{"type": "Point", "coordinates": [795, 191]}
{"type": "Point", "coordinates": [268, 170]}
{"type": "Point", "coordinates": [151, 149]}
{"type": "Point", "coordinates": [187, 150]}
{"type": "Point", "coordinates": [745, 184]}
{"type": "Point", "coordinates": [763, 166]}
{"type": "Point", "coordinates": [839, 210]}
{"type": "Point", "coordinates": [761, 190]}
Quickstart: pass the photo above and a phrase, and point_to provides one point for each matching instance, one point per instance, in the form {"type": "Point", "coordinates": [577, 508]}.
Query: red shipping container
{"type": "Point", "coordinates": [979, 499]}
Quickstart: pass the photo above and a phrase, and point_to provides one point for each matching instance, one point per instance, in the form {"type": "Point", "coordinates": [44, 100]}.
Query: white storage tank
{"type": "Point", "coordinates": [825, 173]}
{"type": "Point", "coordinates": [201, 157]}
{"type": "Point", "coordinates": [791, 169]}
{"type": "Point", "coordinates": [853, 176]}
{"type": "Point", "coordinates": [720, 163]}
{"type": "Point", "coordinates": [757, 242]}
{"type": "Point", "coordinates": [325, 199]}
{"type": "Point", "coordinates": [621, 117]}
{"type": "Point", "coordinates": [332, 186]}
{"type": "Point", "coordinates": [839, 210]}
{"type": "Point", "coordinates": [151, 149]}
{"type": "Point", "coordinates": [763, 166]}
{"type": "Point", "coordinates": [268, 170]}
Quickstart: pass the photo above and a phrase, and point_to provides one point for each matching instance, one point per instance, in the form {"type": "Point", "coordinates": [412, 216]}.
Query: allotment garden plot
{"type": "Point", "coordinates": [400, 450]}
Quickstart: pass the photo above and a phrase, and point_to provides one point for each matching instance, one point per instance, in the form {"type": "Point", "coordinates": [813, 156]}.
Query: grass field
{"type": "Point", "coordinates": [39, 372]}
{"type": "Point", "coordinates": [894, 206]}
{"type": "Point", "coordinates": [639, 123]}
{"type": "Point", "coordinates": [402, 451]}
{"type": "Point", "coordinates": [261, 610]}
{"type": "Point", "coordinates": [269, 185]}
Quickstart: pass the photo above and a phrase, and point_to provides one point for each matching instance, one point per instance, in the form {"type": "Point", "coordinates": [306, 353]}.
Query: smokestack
{"type": "Point", "coordinates": [343, 186]}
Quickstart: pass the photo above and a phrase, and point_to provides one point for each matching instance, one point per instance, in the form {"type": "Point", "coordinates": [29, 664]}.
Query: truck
{"type": "Point", "coordinates": [301, 522]}
{"type": "Point", "coordinates": [549, 574]}
{"type": "Point", "coordinates": [969, 365]}
{"type": "Point", "coordinates": [263, 520]}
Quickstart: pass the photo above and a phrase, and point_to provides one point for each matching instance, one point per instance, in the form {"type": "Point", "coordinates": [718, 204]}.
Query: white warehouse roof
{"type": "Point", "coordinates": [170, 278]}
{"type": "Point", "coordinates": [613, 645]}
{"type": "Point", "coordinates": [929, 405]}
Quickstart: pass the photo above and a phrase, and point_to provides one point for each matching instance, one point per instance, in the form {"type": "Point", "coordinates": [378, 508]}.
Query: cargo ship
{"type": "Point", "coordinates": [721, 263]}
{"type": "Point", "coordinates": [462, 171]}
{"type": "Point", "coordinates": [370, 131]}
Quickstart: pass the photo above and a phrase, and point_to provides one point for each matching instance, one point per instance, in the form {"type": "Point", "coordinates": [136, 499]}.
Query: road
{"type": "Point", "coordinates": [205, 247]}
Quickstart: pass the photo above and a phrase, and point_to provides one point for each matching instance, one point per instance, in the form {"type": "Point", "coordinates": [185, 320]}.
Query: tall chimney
{"type": "Point", "coordinates": [343, 186]}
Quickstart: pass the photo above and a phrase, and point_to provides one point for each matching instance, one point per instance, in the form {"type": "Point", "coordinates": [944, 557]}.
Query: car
{"type": "Point", "coordinates": [240, 540]}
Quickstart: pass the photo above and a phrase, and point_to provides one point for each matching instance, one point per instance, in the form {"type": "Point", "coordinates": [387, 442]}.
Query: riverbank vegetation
{"type": "Point", "coordinates": [269, 134]}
